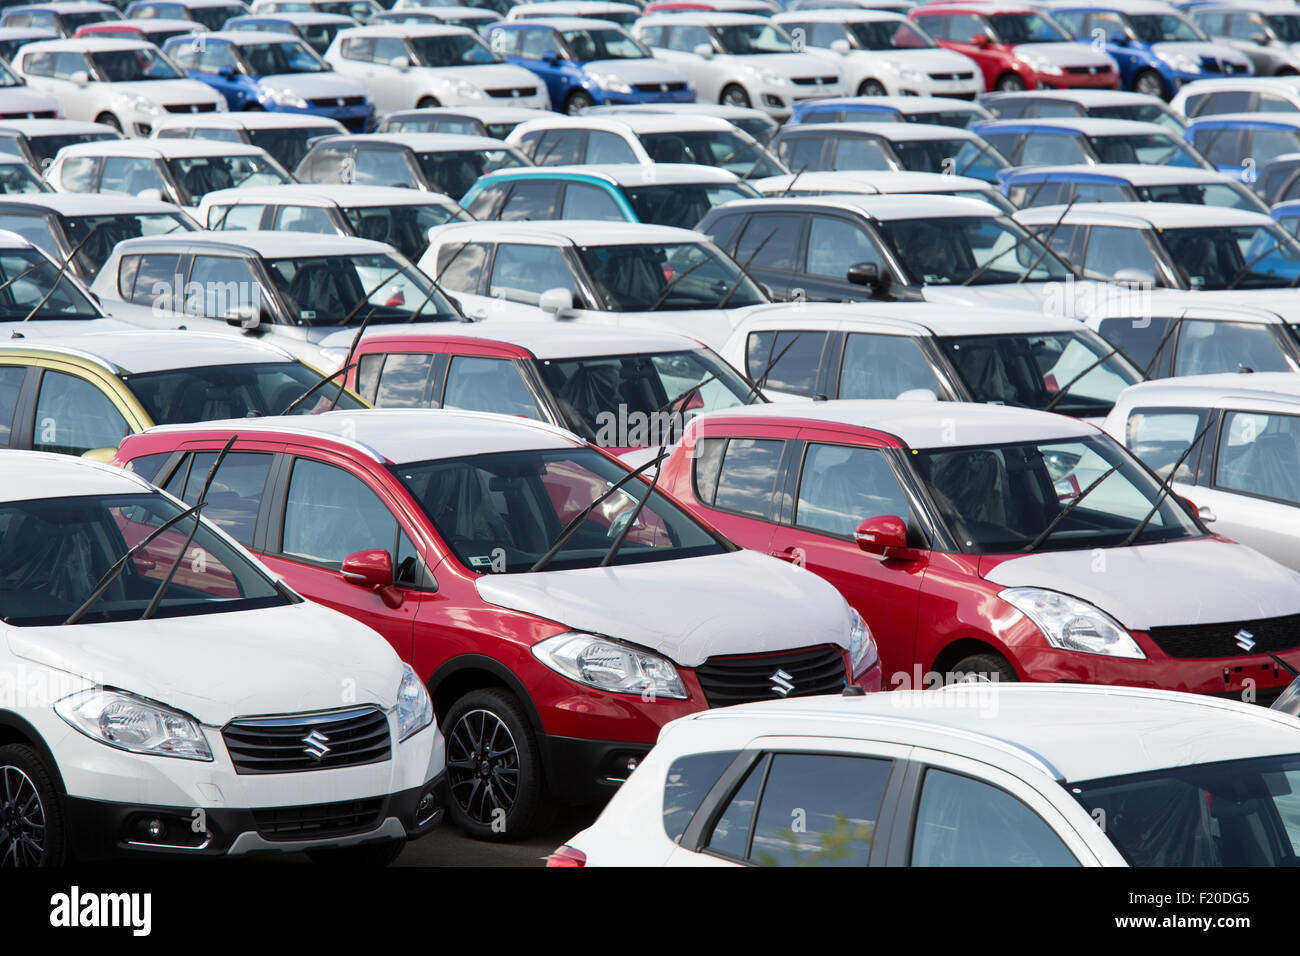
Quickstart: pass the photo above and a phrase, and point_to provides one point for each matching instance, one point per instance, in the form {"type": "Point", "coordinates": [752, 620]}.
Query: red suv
{"type": "Point", "coordinates": [556, 634]}
{"type": "Point", "coordinates": [1017, 47]}
{"type": "Point", "coordinates": [999, 541]}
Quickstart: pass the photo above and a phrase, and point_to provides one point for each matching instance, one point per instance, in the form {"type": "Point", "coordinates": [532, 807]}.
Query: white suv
{"type": "Point", "coordinates": [191, 708]}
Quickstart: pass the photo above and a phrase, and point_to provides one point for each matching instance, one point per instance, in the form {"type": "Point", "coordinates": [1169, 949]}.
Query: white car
{"type": "Point", "coordinates": [147, 717]}
{"type": "Point", "coordinates": [39, 140]}
{"type": "Point", "coordinates": [19, 101]}
{"type": "Point", "coordinates": [605, 273]}
{"type": "Point", "coordinates": [740, 59]}
{"type": "Point", "coordinates": [883, 53]}
{"type": "Point", "coordinates": [754, 122]}
{"type": "Point", "coordinates": [410, 65]}
{"type": "Point", "coordinates": [125, 84]}
{"type": "Point", "coordinates": [971, 775]}
{"type": "Point", "coordinates": [1241, 94]}
{"type": "Point", "coordinates": [285, 136]}
{"type": "Point", "coordinates": [359, 10]}
{"type": "Point", "coordinates": [872, 183]}
{"type": "Point", "coordinates": [64, 17]}
{"type": "Point", "coordinates": [624, 14]}
{"type": "Point", "coordinates": [44, 298]}
{"type": "Point", "coordinates": [181, 171]}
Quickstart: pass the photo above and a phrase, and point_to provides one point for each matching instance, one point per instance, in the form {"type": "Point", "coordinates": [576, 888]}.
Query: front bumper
{"type": "Point", "coordinates": [354, 116]}
{"type": "Point", "coordinates": [608, 98]}
{"type": "Point", "coordinates": [1078, 81]}
{"type": "Point", "coordinates": [778, 101]}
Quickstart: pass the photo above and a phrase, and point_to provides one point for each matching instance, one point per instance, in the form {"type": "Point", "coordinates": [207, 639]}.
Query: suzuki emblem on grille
{"type": "Point", "coordinates": [1245, 640]}
{"type": "Point", "coordinates": [317, 744]}
{"type": "Point", "coordinates": [782, 683]}
{"type": "Point", "coordinates": [516, 92]}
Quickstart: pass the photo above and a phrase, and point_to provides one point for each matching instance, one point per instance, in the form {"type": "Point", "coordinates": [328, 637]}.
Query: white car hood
{"type": "Point", "coordinates": [486, 76]}
{"type": "Point", "coordinates": [285, 660]}
{"type": "Point", "coordinates": [785, 64]}
{"type": "Point", "coordinates": [169, 92]}
{"type": "Point", "coordinates": [1064, 54]}
{"type": "Point", "coordinates": [689, 609]}
{"type": "Point", "coordinates": [938, 61]}
{"type": "Point", "coordinates": [312, 85]}
{"type": "Point", "coordinates": [15, 101]}
{"type": "Point", "coordinates": [637, 71]}
{"type": "Point", "coordinates": [1072, 300]}
{"type": "Point", "coordinates": [1198, 581]}
{"type": "Point", "coordinates": [1196, 50]}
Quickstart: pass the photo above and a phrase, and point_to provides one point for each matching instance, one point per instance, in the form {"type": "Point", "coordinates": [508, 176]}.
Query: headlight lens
{"type": "Point", "coordinates": [1073, 625]}
{"type": "Point", "coordinates": [134, 723]}
{"type": "Point", "coordinates": [1180, 62]}
{"type": "Point", "coordinates": [1041, 64]}
{"type": "Point", "coordinates": [863, 653]}
{"type": "Point", "coordinates": [912, 76]}
{"type": "Point", "coordinates": [773, 79]}
{"type": "Point", "coordinates": [414, 708]}
{"type": "Point", "coordinates": [142, 104]}
{"type": "Point", "coordinates": [286, 98]}
{"type": "Point", "coordinates": [468, 90]}
{"type": "Point", "coordinates": [612, 82]}
{"type": "Point", "coordinates": [607, 665]}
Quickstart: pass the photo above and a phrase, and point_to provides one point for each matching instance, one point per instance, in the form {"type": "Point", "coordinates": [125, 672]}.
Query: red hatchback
{"type": "Point", "coordinates": [998, 541]}
{"type": "Point", "coordinates": [557, 632]}
{"type": "Point", "coordinates": [1017, 47]}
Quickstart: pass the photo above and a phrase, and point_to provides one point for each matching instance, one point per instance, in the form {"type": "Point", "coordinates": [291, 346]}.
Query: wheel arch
{"type": "Point", "coordinates": [15, 730]}
{"type": "Point", "coordinates": [471, 672]}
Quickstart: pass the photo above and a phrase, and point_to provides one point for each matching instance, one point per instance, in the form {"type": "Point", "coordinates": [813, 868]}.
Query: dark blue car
{"type": "Point", "coordinates": [1029, 186]}
{"type": "Point", "coordinates": [1243, 144]}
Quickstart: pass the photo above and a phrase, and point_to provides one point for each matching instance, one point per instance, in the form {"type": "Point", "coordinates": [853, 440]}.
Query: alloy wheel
{"type": "Point", "coordinates": [22, 820]}
{"type": "Point", "coordinates": [482, 765]}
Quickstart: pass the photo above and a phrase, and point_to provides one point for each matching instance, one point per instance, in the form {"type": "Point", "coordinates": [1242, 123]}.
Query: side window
{"type": "Point", "coordinates": [1008, 144]}
{"type": "Point", "coordinates": [794, 358]}
{"type": "Point", "coordinates": [1137, 338]}
{"type": "Point", "coordinates": [687, 38]}
{"type": "Point", "coordinates": [130, 176]}
{"type": "Point", "coordinates": [582, 201]}
{"type": "Point", "coordinates": [67, 65]}
{"type": "Point", "coordinates": [1112, 248]}
{"type": "Point", "coordinates": [383, 167]}
{"type": "Point", "coordinates": [74, 417]}
{"type": "Point", "coordinates": [858, 152]}
{"type": "Point", "coordinates": [1272, 103]}
{"type": "Point", "coordinates": [1043, 193]}
{"type": "Point", "coordinates": [687, 783]}
{"type": "Point", "coordinates": [723, 232]}
{"type": "Point", "coordinates": [227, 283]}
{"type": "Point", "coordinates": [1220, 145]}
{"type": "Point", "coordinates": [537, 43]}
{"type": "Point", "coordinates": [1206, 347]}
{"type": "Point", "coordinates": [705, 464]}
{"type": "Point", "coordinates": [961, 28]}
{"type": "Point", "coordinates": [304, 219]}
{"type": "Point", "coordinates": [1260, 455]}
{"type": "Point", "coordinates": [146, 466]}
{"type": "Point", "coordinates": [560, 147]}
{"type": "Point", "coordinates": [214, 56]}
{"type": "Point", "coordinates": [521, 273]}
{"type": "Point", "coordinates": [485, 202]}
{"type": "Point", "coordinates": [460, 267]}
{"type": "Point", "coordinates": [884, 366]}
{"type": "Point", "coordinates": [965, 822]}
{"type": "Point", "coordinates": [388, 49]}
{"type": "Point", "coordinates": [840, 487]}
{"type": "Point", "coordinates": [603, 147]}
{"type": "Point", "coordinates": [236, 491]}
{"type": "Point", "coordinates": [937, 27]}
{"type": "Point", "coordinates": [836, 244]}
{"type": "Point", "coordinates": [403, 381]}
{"type": "Point", "coordinates": [326, 164]}
{"type": "Point", "coordinates": [531, 199]}
{"type": "Point", "coordinates": [1159, 436]}
{"type": "Point", "coordinates": [245, 217]}
{"type": "Point", "coordinates": [730, 835]}
{"type": "Point", "coordinates": [747, 477]}
{"type": "Point", "coordinates": [11, 383]}
{"type": "Point", "coordinates": [1052, 149]}
{"type": "Point", "coordinates": [331, 514]}
{"type": "Point", "coordinates": [803, 152]}
{"type": "Point", "coordinates": [77, 174]}
{"type": "Point", "coordinates": [186, 56]}
{"type": "Point", "coordinates": [488, 385]}
{"type": "Point", "coordinates": [770, 241]}
{"type": "Point", "coordinates": [824, 34]}
{"type": "Point", "coordinates": [506, 42]}
{"type": "Point", "coordinates": [37, 64]}
{"type": "Point", "coordinates": [653, 36]}
{"type": "Point", "coordinates": [157, 279]}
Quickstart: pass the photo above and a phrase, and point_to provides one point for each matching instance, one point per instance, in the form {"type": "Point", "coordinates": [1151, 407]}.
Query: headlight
{"type": "Point", "coordinates": [221, 105]}
{"type": "Point", "coordinates": [607, 665]}
{"type": "Point", "coordinates": [773, 79]}
{"type": "Point", "coordinates": [133, 723]}
{"type": "Point", "coordinates": [1073, 625]}
{"type": "Point", "coordinates": [612, 82]}
{"type": "Point", "coordinates": [286, 98]}
{"type": "Point", "coordinates": [468, 90]}
{"type": "Point", "coordinates": [1041, 64]}
{"type": "Point", "coordinates": [912, 76]}
{"type": "Point", "coordinates": [142, 104]}
{"type": "Point", "coordinates": [1180, 62]}
{"type": "Point", "coordinates": [414, 708]}
{"type": "Point", "coordinates": [862, 646]}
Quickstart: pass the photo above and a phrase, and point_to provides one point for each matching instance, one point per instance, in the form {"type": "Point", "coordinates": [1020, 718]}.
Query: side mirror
{"type": "Point", "coordinates": [373, 570]}
{"type": "Point", "coordinates": [244, 317]}
{"type": "Point", "coordinates": [153, 194]}
{"type": "Point", "coordinates": [868, 274]}
{"type": "Point", "coordinates": [80, 78]}
{"type": "Point", "coordinates": [104, 455]}
{"type": "Point", "coordinates": [703, 50]}
{"type": "Point", "coordinates": [980, 40]}
{"type": "Point", "coordinates": [557, 302]}
{"type": "Point", "coordinates": [841, 47]}
{"type": "Point", "coordinates": [226, 71]}
{"type": "Point", "coordinates": [1262, 39]}
{"type": "Point", "coordinates": [550, 58]}
{"type": "Point", "coordinates": [1203, 512]}
{"type": "Point", "coordinates": [885, 535]}
{"type": "Point", "coordinates": [400, 63]}
{"type": "Point", "coordinates": [1119, 39]}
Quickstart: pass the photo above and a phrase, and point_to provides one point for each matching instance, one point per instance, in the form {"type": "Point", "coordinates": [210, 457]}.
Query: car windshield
{"type": "Point", "coordinates": [214, 17]}
{"type": "Point", "coordinates": [682, 204]}
{"type": "Point", "coordinates": [452, 173]}
{"type": "Point", "coordinates": [502, 512]}
{"type": "Point", "coordinates": [72, 21]}
{"type": "Point", "coordinates": [329, 290]}
{"type": "Point", "coordinates": [319, 36]}
{"type": "Point", "coordinates": [211, 393]}
{"type": "Point", "coordinates": [199, 175]}
{"type": "Point", "coordinates": [7, 78]}
{"type": "Point", "coordinates": [97, 235]}
{"type": "Point", "coordinates": [958, 119]}
{"type": "Point", "coordinates": [404, 226]}
{"type": "Point", "coordinates": [1025, 28]}
{"type": "Point", "coordinates": [685, 275]}
{"type": "Point", "coordinates": [730, 150]}
{"type": "Point", "coordinates": [743, 39]}
{"type": "Point", "coordinates": [1228, 813]}
{"type": "Point", "coordinates": [632, 401]}
{"type": "Point", "coordinates": [1140, 113]}
{"type": "Point", "coordinates": [1286, 26]}
{"type": "Point", "coordinates": [159, 37]}
{"type": "Point", "coordinates": [962, 157]}
{"type": "Point", "coordinates": [887, 35]}
{"type": "Point", "coordinates": [44, 148]}
{"type": "Point", "coordinates": [27, 278]}
{"type": "Point", "coordinates": [1237, 257]}
{"type": "Point", "coordinates": [976, 250]}
{"type": "Point", "coordinates": [1147, 149]}
{"type": "Point", "coordinates": [1163, 28]}
{"type": "Point", "coordinates": [451, 49]}
{"type": "Point", "coordinates": [288, 146]}
{"type": "Point", "coordinates": [1032, 370]}
{"type": "Point", "coordinates": [1230, 195]}
{"type": "Point", "coordinates": [998, 499]}
{"type": "Point", "coordinates": [588, 45]}
{"type": "Point", "coordinates": [132, 66]}
{"type": "Point", "coordinates": [21, 178]}
{"type": "Point", "coordinates": [53, 551]}
{"type": "Point", "coordinates": [282, 56]}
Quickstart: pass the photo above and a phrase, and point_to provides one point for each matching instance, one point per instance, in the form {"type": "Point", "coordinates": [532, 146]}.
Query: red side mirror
{"type": "Point", "coordinates": [980, 39]}
{"type": "Point", "coordinates": [885, 535]}
{"type": "Point", "coordinates": [374, 570]}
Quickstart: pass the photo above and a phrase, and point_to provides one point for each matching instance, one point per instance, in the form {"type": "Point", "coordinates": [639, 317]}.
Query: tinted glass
{"type": "Point", "coordinates": [331, 514]}
{"type": "Point", "coordinates": [748, 476]}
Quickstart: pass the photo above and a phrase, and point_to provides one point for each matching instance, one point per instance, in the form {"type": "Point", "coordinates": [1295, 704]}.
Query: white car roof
{"type": "Point", "coordinates": [155, 23]}
{"type": "Point", "coordinates": [91, 204]}
{"type": "Point", "coordinates": [127, 352]}
{"type": "Point", "coordinates": [898, 132]}
{"type": "Point", "coordinates": [162, 148]}
{"type": "Point", "coordinates": [333, 194]}
{"type": "Point", "coordinates": [1287, 84]}
{"type": "Point", "coordinates": [631, 123]}
{"type": "Point", "coordinates": [1201, 391]}
{"type": "Point", "coordinates": [270, 245]}
{"type": "Point", "coordinates": [703, 18]}
{"type": "Point", "coordinates": [871, 182]}
{"type": "Point", "coordinates": [300, 17]}
{"type": "Point", "coordinates": [1138, 174]}
{"type": "Point", "coordinates": [567, 232]}
{"type": "Point", "coordinates": [1086, 125]}
{"type": "Point", "coordinates": [575, 7]}
{"type": "Point", "coordinates": [246, 119]}
{"type": "Point", "coordinates": [905, 318]}
{"type": "Point", "coordinates": [1084, 98]}
{"type": "Point", "coordinates": [69, 6]}
{"type": "Point", "coordinates": [550, 341]}
{"type": "Point", "coordinates": [907, 104]}
{"type": "Point", "coordinates": [406, 30]}
{"type": "Point", "coordinates": [87, 44]}
{"type": "Point", "coordinates": [634, 174]}
{"type": "Point", "coordinates": [722, 110]}
{"type": "Point", "coordinates": [428, 142]}
{"type": "Point", "coordinates": [1176, 303]}
{"type": "Point", "coordinates": [29, 475]}
{"type": "Point", "coordinates": [885, 208]}
{"type": "Point", "coordinates": [55, 127]}
{"type": "Point", "coordinates": [922, 424]}
{"type": "Point", "coordinates": [837, 15]}
{"type": "Point", "coordinates": [488, 114]}
{"type": "Point", "coordinates": [570, 22]}
{"type": "Point", "coordinates": [1159, 215]}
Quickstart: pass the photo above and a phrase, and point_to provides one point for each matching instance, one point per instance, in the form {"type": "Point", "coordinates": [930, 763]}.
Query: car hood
{"type": "Point", "coordinates": [486, 76]}
{"type": "Point", "coordinates": [1196, 50]}
{"type": "Point", "coordinates": [1058, 299]}
{"type": "Point", "coordinates": [1197, 581]}
{"type": "Point", "coordinates": [169, 92]}
{"type": "Point", "coordinates": [946, 61]}
{"type": "Point", "coordinates": [1063, 54]}
{"type": "Point", "coordinates": [637, 71]}
{"type": "Point", "coordinates": [292, 659]}
{"type": "Point", "coordinates": [786, 64]}
{"type": "Point", "coordinates": [16, 102]}
{"type": "Point", "coordinates": [312, 85]}
{"type": "Point", "coordinates": [688, 609]}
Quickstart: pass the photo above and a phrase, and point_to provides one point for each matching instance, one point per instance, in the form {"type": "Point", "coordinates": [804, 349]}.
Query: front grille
{"type": "Point", "coordinates": [1212, 64]}
{"type": "Point", "coordinates": [36, 114]}
{"type": "Point", "coordinates": [513, 91]}
{"type": "Point", "coordinates": [320, 820]}
{"type": "Point", "coordinates": [282, 744]}
{"type": "Point", "coordinates": [961, 96]}
{"type": "Point", "coordinates": [659, 87]}
{"type": "Point", "coordinates": [815, 80]}
{"type": "Point", "coordinates": [952, 76]}
{"type": "Point", "coordinates": [334, 102]}
{"type": "Point", "coordinates": [739, 680]}
{"type": "Point", "coordinates": [1220, 640]}
{"type": "Point", "coordinates": [1088, 70]}
{"type": "Point", "coordinates": [191, 108]}
{"type": "Point", "coordinates": [354, 123]}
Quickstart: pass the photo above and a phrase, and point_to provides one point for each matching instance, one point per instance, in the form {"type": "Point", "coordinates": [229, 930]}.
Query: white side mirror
{"type": "Point", "coordinates": [400, 63]}
{"type": "Point", "coordinates": [80, 78]}
{"type": "Point", "coordinates": [154, 194]}
{"type": "Point", "coordinates": [245, 317]}
{"type": "Point", "coordinates": [1137, 277]}
{"type": "Point", "coordinates": [556, 302]}
{"type": "Point", "coordinates": [841, 47]}
{"type": "Point", "coordinates": [703, 50]}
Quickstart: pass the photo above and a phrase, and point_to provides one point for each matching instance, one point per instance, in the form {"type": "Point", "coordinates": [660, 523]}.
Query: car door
{"type": "Point", "coordinates": [737, 483]}
{"type": "Point", "coordinates": [709, 76]}
{"type": "Point", "coordinates": [392, 88]}
{"type": "Point", "coordinates": [73, 415]}
{"type": "Point", "coordinates": [79, 102]}
{"type": "Point", "coordinates": [537, 50]}
{"type": "Point", "coordinates": [771, 248]}
{"type": "Point", "coordinates": [384, 165]}
{"type": "Point", "coordinates": [836, 244]}
{"type": "Point", "coordinates": [521, 272]}
{"type": "Point", "coordinates": [219, 68]}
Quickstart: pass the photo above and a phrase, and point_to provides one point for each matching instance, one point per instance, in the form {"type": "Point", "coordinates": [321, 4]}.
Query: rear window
{"type": "Point", "coordinates": [688, 782]}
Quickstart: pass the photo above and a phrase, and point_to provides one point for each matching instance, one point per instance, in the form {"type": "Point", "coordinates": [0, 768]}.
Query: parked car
{"type": "Point", "coordinates": [508, 647]}
{"type": "Point", "coordinates": [754, 122]}
{"type": "Point", "coordinates": [13, 38]}
{"type": "Point", "coordinates": [317, 30]}
{"type": "Point", "coordinates": [362, 11]}
{"type": "Point", "coordinates": [914, 147]}
{"type": "Point", "coordinates": [407, 65]}
{"type": "Point", "coordinates": [915, 350]}
{"type": "Point", "coordinates": [936, 110]}
{"type": "Point", "coordinates": [290, 289]}
{"type": "Point", "coordinates": [883, 53]}
{"type": "Point", "coordinates": [211, 13]}
{"type": "Point", "coordinates": [1266, 32]}
{"type": "Point", "coordinates": [472, 18]}
{"type": "Point", "coordinates": [1099, 104]}
{"type": "Point", "coordinates": [431, 162]}
{"type": "Point", "coordinates": [740, 59]}
{"type": "Point", "coordinates": [1273, 94]}
{"type": "Point", "coordinates": [63, 18]}
{"type": "Point", "coordinates": [624, 14]}
{"type": "Point", "coordinates": [662, 194]}
{"type": "Point", "coordinates": [870, 183]}
{"type": "Point", "coordinates": [894, 6]}
{"type": "Point", "coordinates": [495, 121]}
{"type": "Point", "coordinates": [274, 73]}
{"type": "Point", "coordinates": [644, 138]}
{"type": "Point", "coordinates": [125, 84]}
{"type": "Point", "coordinates": [39, 140]}
{"type": "Point", "coordinates": [999, 779]}
{"type": "Point", "coordinates": [286, 137]}
{"type": "Point", "coordinates": [592, 273]}
{"type": "Point", "coordinates": [1016, 47]}
{"type": "Point", "coordinates": [41, 298]}
{"type": "Point", "coordinates": [1125, 182]}
{"type": "Point", "coordinates": [1241, 144]}
{"type": "Point", "coordinates": [587, 62]}
{"type": "Point", "coordinates": [17, 176]}
{"type": "Point", "coordinates": [400, 218]}
{"type": "Point", "coordinates": [1287, 215]}
{"type": "Point", "coordinates": [18, 101]}
{"type": "Point", "coordinates": [153, 31]}
{"type": "Point", "coordinates": [1055, 142]}
{"type": "Point", "coordinates": [181, 171]}
{"type": "Point", "coordinates": [1276, 183]}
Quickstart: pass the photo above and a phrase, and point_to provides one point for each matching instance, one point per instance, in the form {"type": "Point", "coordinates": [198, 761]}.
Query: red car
{"type": "Point", "coordinates": [999, 541]}
{"type": "Point", "coordinates": [1017, 47]}
{"type": "Point", "coordinates": [553, 657]}
{"type": "Point", "coordinates": [156, 32]}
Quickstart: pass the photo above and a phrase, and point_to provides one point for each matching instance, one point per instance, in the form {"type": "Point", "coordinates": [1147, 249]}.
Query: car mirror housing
{"type": "Point", "coordinates": [885, 535]}
{"type": "Point", "coordinates": [245, 317]}
{"type": "Point", "coordinates": [703, 50]}
{"type": "Point", "coordinates": [841, 47]}
{"type": "Point", "coordinates": [80, 78]}
{"type": "Point", "coordinates": [557, 302]}
{"type": "Point", "coordinates": [400, 63]}
{"type": "Point", "coordinates": [373, 570]}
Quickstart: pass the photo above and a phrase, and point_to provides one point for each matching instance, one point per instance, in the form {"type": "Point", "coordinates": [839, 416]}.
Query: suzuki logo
{"type": "Point", "coordinates": [782, 683]}
{"type": "Point", "coordinates": [1245, 639]}
{"type": "Point", "coordinates": [516, 93]}
{"type": "Point", "coordinates": [317, 744]}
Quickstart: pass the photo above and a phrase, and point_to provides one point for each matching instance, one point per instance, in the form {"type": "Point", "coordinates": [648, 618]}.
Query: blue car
{"type": "Point", "coordinates": [937, 110]}
{"type": "Point", "coordinates": [318, 29]}
{"type": "Point", "coordinates": [587, 62]}
{"type": "Point", "coordinates": [1157, 48]}
{"type": "Point", "coordinates": [273, 72]}
{"type": "Point", "coordinates": [1073, 140]}
{"type": "Point", "coordinates": [1056, 185]}
{"type": "Point", "coordinates": [1243, 144]}
{"type": "Point", "coordinates": [1287, 215]}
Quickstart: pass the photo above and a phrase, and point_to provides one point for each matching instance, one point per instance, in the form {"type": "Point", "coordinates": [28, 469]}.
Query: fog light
{"type": "Point", "coordinates": [426, 809]}
{"type": "Point", "coordinates": [154, 829]}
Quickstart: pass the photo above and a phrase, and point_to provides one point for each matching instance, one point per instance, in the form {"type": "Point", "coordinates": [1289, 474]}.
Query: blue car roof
{"type": "Point", "coordinates": [1030, 174]}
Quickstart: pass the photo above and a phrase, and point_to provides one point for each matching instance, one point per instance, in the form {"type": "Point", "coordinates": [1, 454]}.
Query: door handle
{"type": "Point", "coordinates": [794, 555]}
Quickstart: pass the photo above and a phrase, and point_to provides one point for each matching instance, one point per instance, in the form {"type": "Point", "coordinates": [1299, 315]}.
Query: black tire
{"type": "Point", "coordinates": [576, 102]}
{"type": "Point", "coordinates": [31, 816]}
{"type": "Point", "coordinates": [1150, 83]}
{"type": "Point", "coordinates": [494, 764]}
{"type": "Point", "coordinates": [108, 119]}
{"type": "Point", "coordinates": [734, 95]}
{"type": "Point", "coordinates": [1009, 83]}
{"type": "Point", "coordinates": [368, 856]}
{"type": "Point", "coordinates": [987, 666]}
{"type": "Point", "coordinates": [427, 103]}
{"type": "Point", "coordinates": [871, 88]}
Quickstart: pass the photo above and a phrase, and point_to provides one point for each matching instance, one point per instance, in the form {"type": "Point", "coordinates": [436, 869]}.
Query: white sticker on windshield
{"type": "Point", "coordinates": [307, 314]}
{"type": "Point", "coordinates": [480, 561]}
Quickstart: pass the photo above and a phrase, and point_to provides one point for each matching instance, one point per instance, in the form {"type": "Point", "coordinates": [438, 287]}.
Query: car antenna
{"type": "Point", "coordinates": [1166, 486]}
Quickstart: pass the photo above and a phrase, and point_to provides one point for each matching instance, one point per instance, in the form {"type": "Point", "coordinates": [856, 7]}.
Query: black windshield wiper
{"type": "Point", "coordinates": [1166, 486]}
{"type": "Point", "coordinates": [744, 271]}
{"type": "Point", "coordinates": [1160, 347]}
{"type": "Point", "coordinates": [672, 283]}
{"type": "Point", "coordinates": [757, 387]}
{"type": "Point", "coordinates": [794, 179]}
{"type": "Point", "coordinates": [1020, 242]}
{"type": "Point", "coordinates": [1061, 393]}
{"type": "Point", "coordinates": [1061, 515]}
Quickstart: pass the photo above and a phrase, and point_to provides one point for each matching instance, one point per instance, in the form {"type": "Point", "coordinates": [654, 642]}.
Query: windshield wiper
{"type": "Point", "coordinates": [744, 271]}
{"type": "Point", "coordinates": [1166, 486]}
{"type": "Point", "coordinates": [1020, 242]}
{"type": "Point", "coordinates": [1060, 394]}
{"type": "Point", "coordinates": [1061, 515]}
{"type": "Point", "coordinates": [984, 148]}
{"type": "Point", "coordinates": [58, 276]}
{"type": "Point", "coordinates": [672, 283]}
{"type": "Point", "coordinates": [1173, 327]}
{"type": "Point", "coordinates": [794, 179]}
